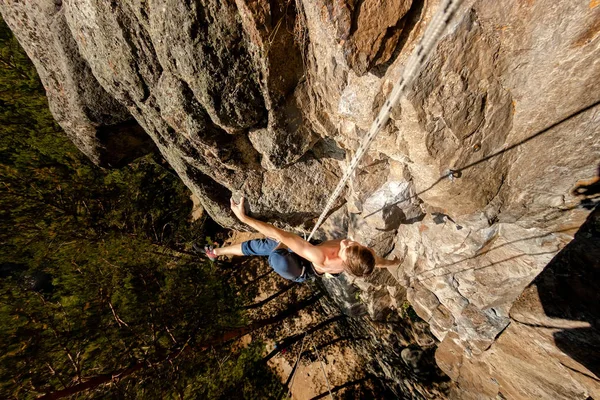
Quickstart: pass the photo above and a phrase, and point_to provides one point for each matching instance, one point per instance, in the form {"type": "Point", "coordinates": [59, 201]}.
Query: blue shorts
{"type": "Point", "coordinates": [285, 262]}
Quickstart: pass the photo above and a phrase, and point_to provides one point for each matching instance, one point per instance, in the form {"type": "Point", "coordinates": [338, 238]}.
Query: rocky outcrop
{"type": "Point", "coordinates": [94, 120]}
{"type": "Point", "coordinates": [469, 184]}
{"type": "Point", "coordinates": [551, 345]}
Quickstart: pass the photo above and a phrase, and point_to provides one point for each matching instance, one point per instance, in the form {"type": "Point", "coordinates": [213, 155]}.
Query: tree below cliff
{"type": "Point", "coordinates": [95, 276]}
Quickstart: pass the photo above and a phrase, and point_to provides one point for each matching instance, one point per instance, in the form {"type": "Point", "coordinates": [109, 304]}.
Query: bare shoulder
{"type": "Point", "coordinates": [318, 254]}
{"type": "Point", "coordinates": [330, 243]}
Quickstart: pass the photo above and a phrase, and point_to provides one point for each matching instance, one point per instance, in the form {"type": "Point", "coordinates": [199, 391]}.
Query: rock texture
{"type": "Point", "coordinates": [270, 99]}
{"type": "Point", "coordinates": [551, 345]}
{"type": "Point", "coordinates": [94, 120]}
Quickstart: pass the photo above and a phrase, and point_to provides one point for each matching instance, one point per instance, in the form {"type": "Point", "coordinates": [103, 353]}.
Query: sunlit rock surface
{"type": "Point", "coordinates": [270, 100]}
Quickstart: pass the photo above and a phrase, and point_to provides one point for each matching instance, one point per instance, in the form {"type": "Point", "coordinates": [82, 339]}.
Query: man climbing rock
{"type": "Point", "coordinates": [287, 252]}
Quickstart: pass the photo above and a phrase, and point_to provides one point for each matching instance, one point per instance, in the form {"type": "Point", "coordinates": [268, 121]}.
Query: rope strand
{"type": "Point", "coordinates": [291, 378]}
{"type": "Point", "coordinates": [415, 63]}
{"type": "Point", "coordinates": [322, 367]}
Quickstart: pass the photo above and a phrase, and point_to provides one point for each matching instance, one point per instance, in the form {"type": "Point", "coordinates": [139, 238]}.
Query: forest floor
{"type": "Point", "coordinates": [313, 378]}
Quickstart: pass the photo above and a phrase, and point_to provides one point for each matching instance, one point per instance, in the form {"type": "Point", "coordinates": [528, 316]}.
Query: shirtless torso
{"type": "Point", "coordinates": [329, 255]}
{"type": "Point", "coordinates": [332, 263]}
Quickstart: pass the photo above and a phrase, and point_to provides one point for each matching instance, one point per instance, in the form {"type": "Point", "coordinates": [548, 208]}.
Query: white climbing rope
{"type": "Point", "coordinates": [415, 63]}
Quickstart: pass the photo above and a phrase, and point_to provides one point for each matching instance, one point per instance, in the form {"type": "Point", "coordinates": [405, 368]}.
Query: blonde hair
{"type": "Point", "coordinates": [360, 261]}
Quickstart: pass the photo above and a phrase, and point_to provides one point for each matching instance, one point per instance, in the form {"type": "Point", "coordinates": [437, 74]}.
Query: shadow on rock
{"type": "Point", "coordinates": [569, 288]}
{"type": "Point", "coordinates": [565, 298]}
{"type": "Point", "coordinates": [400, 349]}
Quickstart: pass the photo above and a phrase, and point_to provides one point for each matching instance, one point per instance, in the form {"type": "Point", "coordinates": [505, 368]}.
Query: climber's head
{"type": "Point", "coordinates": [359, 260]}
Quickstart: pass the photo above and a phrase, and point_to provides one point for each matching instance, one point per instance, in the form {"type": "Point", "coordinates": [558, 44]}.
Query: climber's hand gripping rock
{"type": "Point", "coordinates": [239, 209]}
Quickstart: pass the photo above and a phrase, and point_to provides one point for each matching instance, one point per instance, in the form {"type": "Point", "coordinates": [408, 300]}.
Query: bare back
{"type": "Point", "coordinates": [332, 263]}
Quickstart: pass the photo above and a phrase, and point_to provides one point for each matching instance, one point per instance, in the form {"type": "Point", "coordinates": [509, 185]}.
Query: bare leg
{"type": "Point", "coordinates": [233, 250]}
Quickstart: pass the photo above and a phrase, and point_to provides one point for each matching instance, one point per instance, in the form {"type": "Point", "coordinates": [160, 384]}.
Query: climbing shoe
{"type": "Point", "coordinates": [209, 251]}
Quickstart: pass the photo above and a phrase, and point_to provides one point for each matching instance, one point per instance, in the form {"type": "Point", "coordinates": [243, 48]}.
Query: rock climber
{"type": "Point", "coordinates": [287, 251]}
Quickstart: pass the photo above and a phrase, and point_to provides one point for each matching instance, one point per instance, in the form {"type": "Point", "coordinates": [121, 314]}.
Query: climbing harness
{"type": "Point", "coordinates": [415, 63]}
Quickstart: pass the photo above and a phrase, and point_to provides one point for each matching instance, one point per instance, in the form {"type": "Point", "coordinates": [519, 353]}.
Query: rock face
{"type": "Point", "coordinates": [94, 120]}
{"type": "Point", "coordinates": [270, 99]}
{"type": "Point", "coordinates": [551, 345]}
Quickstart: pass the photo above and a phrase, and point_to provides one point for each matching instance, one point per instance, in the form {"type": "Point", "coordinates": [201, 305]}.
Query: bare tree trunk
{"type": "Point", "coordinates": [343, 386]}
{"type": "Point", "coordinates": [93, 382]}
{"type": "Point", "coordinates": [235, 333]}
{"type": "Point", "coordinates": [245, 285]}
{"type": "Point", "coordinates": [225, 337]}
{"type": "Point", "coordinates": [268, 299]}
{"type": "Point", "coordinates": [290, 340]}
{"type": "Point", "coordinates": [334, 341]}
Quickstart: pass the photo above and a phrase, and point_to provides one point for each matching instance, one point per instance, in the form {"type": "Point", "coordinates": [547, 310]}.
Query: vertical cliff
{"type": "Point", "coordinates": [470, 184]}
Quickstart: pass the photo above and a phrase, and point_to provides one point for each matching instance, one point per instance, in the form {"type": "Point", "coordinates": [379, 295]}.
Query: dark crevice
{"type": "Point", "coordinates": [580, 372]}
{"type": "Point", "coordinates": [122, 143]}
{"type": "Point", "coordinates": [410, 22]}
{"type": "Point", "coordinates": [210, 189]}
{"type": "Point", "coordinates": [500, 186]}
{"type": "Point", "coordinates": [198, 28]}
{"type": "Point", "coordinates": [499, 333]}
{"type": "Point", "coordinates": [322, 149]}
{"type": "Point", "coordinates": [144, 11]}
{"type": "Point", "coordinates": [483, 102]}
{"type": "Point", "coordinates": [389, 34]}
{"type": "Point", "coordinates": [277, 12]}
{"type": "Point", "coordinates": [355, 12]}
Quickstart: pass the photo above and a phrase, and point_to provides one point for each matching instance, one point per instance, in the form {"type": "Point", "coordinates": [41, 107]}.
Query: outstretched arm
{"type": "Point", "coordinates": [384, 263]}
{"type": "Point", "coordinates": [298, 245]}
